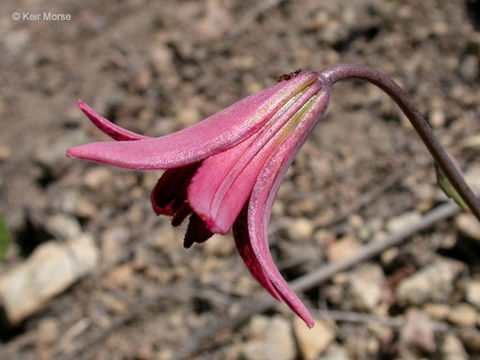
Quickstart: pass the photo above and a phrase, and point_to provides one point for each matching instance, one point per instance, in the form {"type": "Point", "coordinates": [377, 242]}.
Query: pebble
{"type": "Point", "coordinates": [364, 288]}
{"type": "Point", "coordinates": [143, 79]}
{"type": "Point", "coordinates": [5, 153]}
{"type": "Point", "coordinates": [323, 237]}
{"type": "Point", "coordinates": [469, 68]}
{"type": "Point", "coordinates": [472, 292]}
{"type": "Point", "coordinates": [300, 229]}
{"type": "Point", "coordinates": [472, 142]}
{"type": "Point", "coordinates": [84, 209]}
{"type": "Point", "coordinates": [418, 333]}
{"type": "Point", "coordinates": [432, 283]}
{"type": "Point", "coordinates": [271, 339]}
{"type": "Point", "coordinates": [48, 331]}
{"type": "Point", "coordinates": [336, 353]}
{"type": "Point", "coordinates": [188, 115]}
{"type": "Point", "coordinates": [51, 269]}
{"type": "Point", "coordinates": [471, 340]}
{"type": "Point", "coordinates": [118, 277]}
{"type": "Point", "coordinates": [219, 245]}
{"type": "Point", "coordinates": [437, 117]}
{"type": "Point", "coordinates": [437, 311]}
{"type": "Point", "coordinates": [16, 41]}
{"type": "Point", "coordinates": [313, 342]}
{"type": "Point", "coordinates": [452, 348]}
{"type": "Point", "coordinates": [63, 226]}
{"type": "Point", "coordinates": [403, 221]}
{"type": "Point", "coordinates": [216, 21]}
{"type": "Point", "coordinates": [343, 248]}
{"type": "Point", "coordinates": [463, 314]}
{"type": "Point", "coordinates": [166, 239]}
{"type": "Point", "coordinates": [468, 225]}
{"type": "Point", "coordinates": [472, 175]}
{"type": "Point", "coordinates": [388, 256]}
{"type": "Point", "coordinates": [113, 243]}
{"type": "Point", "coordinates": [97, 177]}
{"type": "Point", "coordinates": [161, 57]}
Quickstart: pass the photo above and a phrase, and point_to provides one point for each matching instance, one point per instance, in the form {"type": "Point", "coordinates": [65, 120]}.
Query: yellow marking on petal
{"type": "Point", "coordinates": [260, 113]}
{"type": "Point", "coordinates": [293, 122]}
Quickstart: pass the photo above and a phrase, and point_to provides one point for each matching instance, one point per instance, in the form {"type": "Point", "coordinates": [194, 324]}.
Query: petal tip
{"type": "Point", "coordinates": [69, 153]}
{"type": "Point", "coordinates": [309, 322]}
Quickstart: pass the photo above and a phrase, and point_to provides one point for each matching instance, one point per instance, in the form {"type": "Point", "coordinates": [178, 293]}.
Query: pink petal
{"type": "Point", "coordinates": [242, 242]}
{"type": "Point", "coordinates": [263, 195]}
{"type": "Point", "coordinates": [212, 135]}
{"type": "Point", "coordinates": [107, 127]}
{"type": "Point", "coordinates": [223, 183]}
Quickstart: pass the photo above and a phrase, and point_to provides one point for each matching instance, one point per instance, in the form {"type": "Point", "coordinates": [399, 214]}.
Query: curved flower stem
{"type": "Point", "coordinates": [336, 73]}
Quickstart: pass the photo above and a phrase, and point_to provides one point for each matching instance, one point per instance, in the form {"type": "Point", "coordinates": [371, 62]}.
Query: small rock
{"type": "Point", "coordinates": [166, 240]}
{"type": "Point", "coordinates": [114, 304]}
{"type": "Point", "coordinates": [143, 79]}
{"type": "Point", "coordinates": [418, 333]}
{"type": "Point", "coordinates": [84, 209]}
{"type": "Point", "coordinates": [161, 57]}
{"type": "Point", "coordinates": [463, 314]}
{"type": "Point", "coordinates": [272, 340]}
{"type": "Point", "coordinates": [436, 311]}
{"type": "Point", "coordinates": [51, 268]}
{"type": "Point", "coordinates": [468, 225]}
{"type": "Point", "coordinates": [389, 256]}
{"type": "Point", "coordinates": [452, 348]}
{"type": "Point", "coordinates": [437, 118]}
{"type": "Point", "coordinates": [472, 176]}
{"type": "Point", "coordinates": [313, 342]}
{"type": "Point", "coordinates": [219, 246]}
{"type": "Point", "coordinates": [96, 177]}
{"type": "Point", "coordinates": [334, 293]}
{"type": "Point", "coordinates": [63, 226]}
{"type": "Point", "coordinates": [472, 142]}
{"type": "Point", "coordinates": [216, 21]}
{"type": "Point", "coordinates": [113, 243]}
{"type": "Point", "coordinates": [472, 293]}
{"type": "Point", "coordinates": [471, 339]}
{"type": "Point", "coordinates": [364, 288]}
{"type": "Point", "coordinates": [343, 248]}
{"type": "Point", "coordinates": [383, 333]}
{"type": "Point", "coordinates": [469, 68]}
{"type": "Point", "coordinates": [323, 237]}
{"type": "Point", "coordinates": [300, 229]}
{"type": "Point", "coordinates": [48, 331]}
{"type": "Point", "coordinates": [16, 41]}
{"type": "Point", "coordinates": [188, 115]}
{"type": "Point", "coordinates": [403, 221]}
{"type": "Point", "coordinates": [5, 153]}
{"type": "Point", "coordinates": [432, 283]}
{"type": "Point", "coordinates": [356, 222]}
{"type": "Point", "coordinates": [118, 277]}
{"type": "Point", "coordinates": [336, 353]}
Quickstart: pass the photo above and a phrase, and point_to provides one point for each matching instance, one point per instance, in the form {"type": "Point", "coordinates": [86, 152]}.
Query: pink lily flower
{"type": "Point", "coordinates": [233, 160]}
{"type": "Point", "coordinates": [224, 172]}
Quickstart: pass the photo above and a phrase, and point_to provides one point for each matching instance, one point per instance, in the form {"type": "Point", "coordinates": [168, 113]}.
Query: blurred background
{"type": "Point", "coordinates": [91, 272]}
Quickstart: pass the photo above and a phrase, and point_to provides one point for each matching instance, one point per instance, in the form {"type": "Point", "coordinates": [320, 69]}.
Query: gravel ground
{"type": "Point", "coordinates": [157, 67]}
